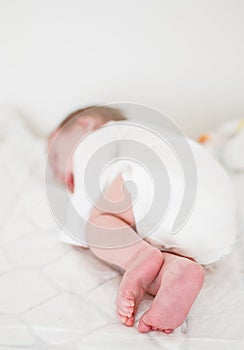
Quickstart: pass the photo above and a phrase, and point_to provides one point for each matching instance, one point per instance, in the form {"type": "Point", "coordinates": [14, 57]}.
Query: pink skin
{"type": "Point", "coordinates": [175, 288]}
{"type": "Point", "coordinates": [62, 142]}
{"type": "Point", "coordinates": [175, 281]}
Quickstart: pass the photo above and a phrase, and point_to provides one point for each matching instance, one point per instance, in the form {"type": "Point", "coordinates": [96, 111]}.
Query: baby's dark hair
{"type": "Point", "coordinates": [108, 113]}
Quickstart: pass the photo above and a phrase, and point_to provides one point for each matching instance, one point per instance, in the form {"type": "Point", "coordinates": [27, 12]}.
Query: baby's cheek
{"type": "Point", "coordinates": [52, 162]}
{"type": "Point", "coordinates": [70, 166]}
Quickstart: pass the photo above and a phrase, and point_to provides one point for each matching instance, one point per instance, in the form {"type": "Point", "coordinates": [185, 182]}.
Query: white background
{"type": "Point", "coordinates": [182, 57]}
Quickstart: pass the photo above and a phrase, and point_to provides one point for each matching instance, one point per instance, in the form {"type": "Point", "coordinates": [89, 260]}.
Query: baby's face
{"type": "Point", "coordinates": [61, 145]}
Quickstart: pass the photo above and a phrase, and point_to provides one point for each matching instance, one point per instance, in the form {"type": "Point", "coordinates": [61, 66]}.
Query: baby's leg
{"type": "Point", "coordinates": [140, 261]}
{"type": "Point", "coordinates": [176, 287]}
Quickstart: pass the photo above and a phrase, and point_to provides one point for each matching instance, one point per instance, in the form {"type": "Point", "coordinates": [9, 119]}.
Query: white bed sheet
{"type": "Point", "coordinates": [54, 296]}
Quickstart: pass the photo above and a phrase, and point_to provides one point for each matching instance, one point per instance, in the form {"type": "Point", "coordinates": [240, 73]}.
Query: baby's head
{"type": "Point", "coordinates": [63, 139]}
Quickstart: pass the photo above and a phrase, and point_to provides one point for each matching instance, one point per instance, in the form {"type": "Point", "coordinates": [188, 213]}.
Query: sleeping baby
{"type": "Point", "coordinates": [168, 266]}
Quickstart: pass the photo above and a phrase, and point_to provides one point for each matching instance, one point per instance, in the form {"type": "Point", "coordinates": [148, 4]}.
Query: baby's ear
{"type": "Point", "coordinates": [87, 123]}
{"type": "Point", "coordinates": [70, 182]}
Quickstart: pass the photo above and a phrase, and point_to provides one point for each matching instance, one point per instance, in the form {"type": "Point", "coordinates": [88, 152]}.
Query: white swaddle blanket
{"type": "Point", "coordinates": [209, 231]}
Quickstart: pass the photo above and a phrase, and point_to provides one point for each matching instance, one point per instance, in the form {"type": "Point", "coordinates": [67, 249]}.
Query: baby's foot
{"type": "Point", "coordinates": [138, 275]}
{"type": "Point", "coordinates": [181, 282]}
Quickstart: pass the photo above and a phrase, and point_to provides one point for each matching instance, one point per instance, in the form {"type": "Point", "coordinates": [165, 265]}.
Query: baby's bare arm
{"type": "Point", "coordinates": [119, 230]}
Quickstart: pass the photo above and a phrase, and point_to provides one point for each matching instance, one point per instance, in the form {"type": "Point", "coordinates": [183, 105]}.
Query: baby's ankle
{"type": "Point", "coordinates": [142, 252]}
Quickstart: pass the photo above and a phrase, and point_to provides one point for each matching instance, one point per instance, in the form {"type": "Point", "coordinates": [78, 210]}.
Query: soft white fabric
{"type": "Point", "coordinates": [210, 231]}
{"type": "Point", "coordinates": [227, 144]}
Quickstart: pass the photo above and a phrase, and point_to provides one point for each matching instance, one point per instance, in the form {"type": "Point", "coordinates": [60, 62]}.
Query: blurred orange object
{"type": "Point", "coordinates": [203, 138]}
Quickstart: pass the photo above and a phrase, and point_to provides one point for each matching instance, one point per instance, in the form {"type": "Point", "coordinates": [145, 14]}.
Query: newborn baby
{"type": "Point", "coordinates": [169, 267]}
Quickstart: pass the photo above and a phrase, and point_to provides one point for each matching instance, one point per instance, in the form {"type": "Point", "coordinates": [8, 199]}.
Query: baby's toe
{"type": "Point", "coordinates": [167, 331]}
{"type": "Point", "coordinates": [130, 321]}
{"type": "Point", "coordinates": [143, 327]}
{"type": "Point", "coordinates": [124, 312]}
{"type": "Point", "coordinates": [125, 304]}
